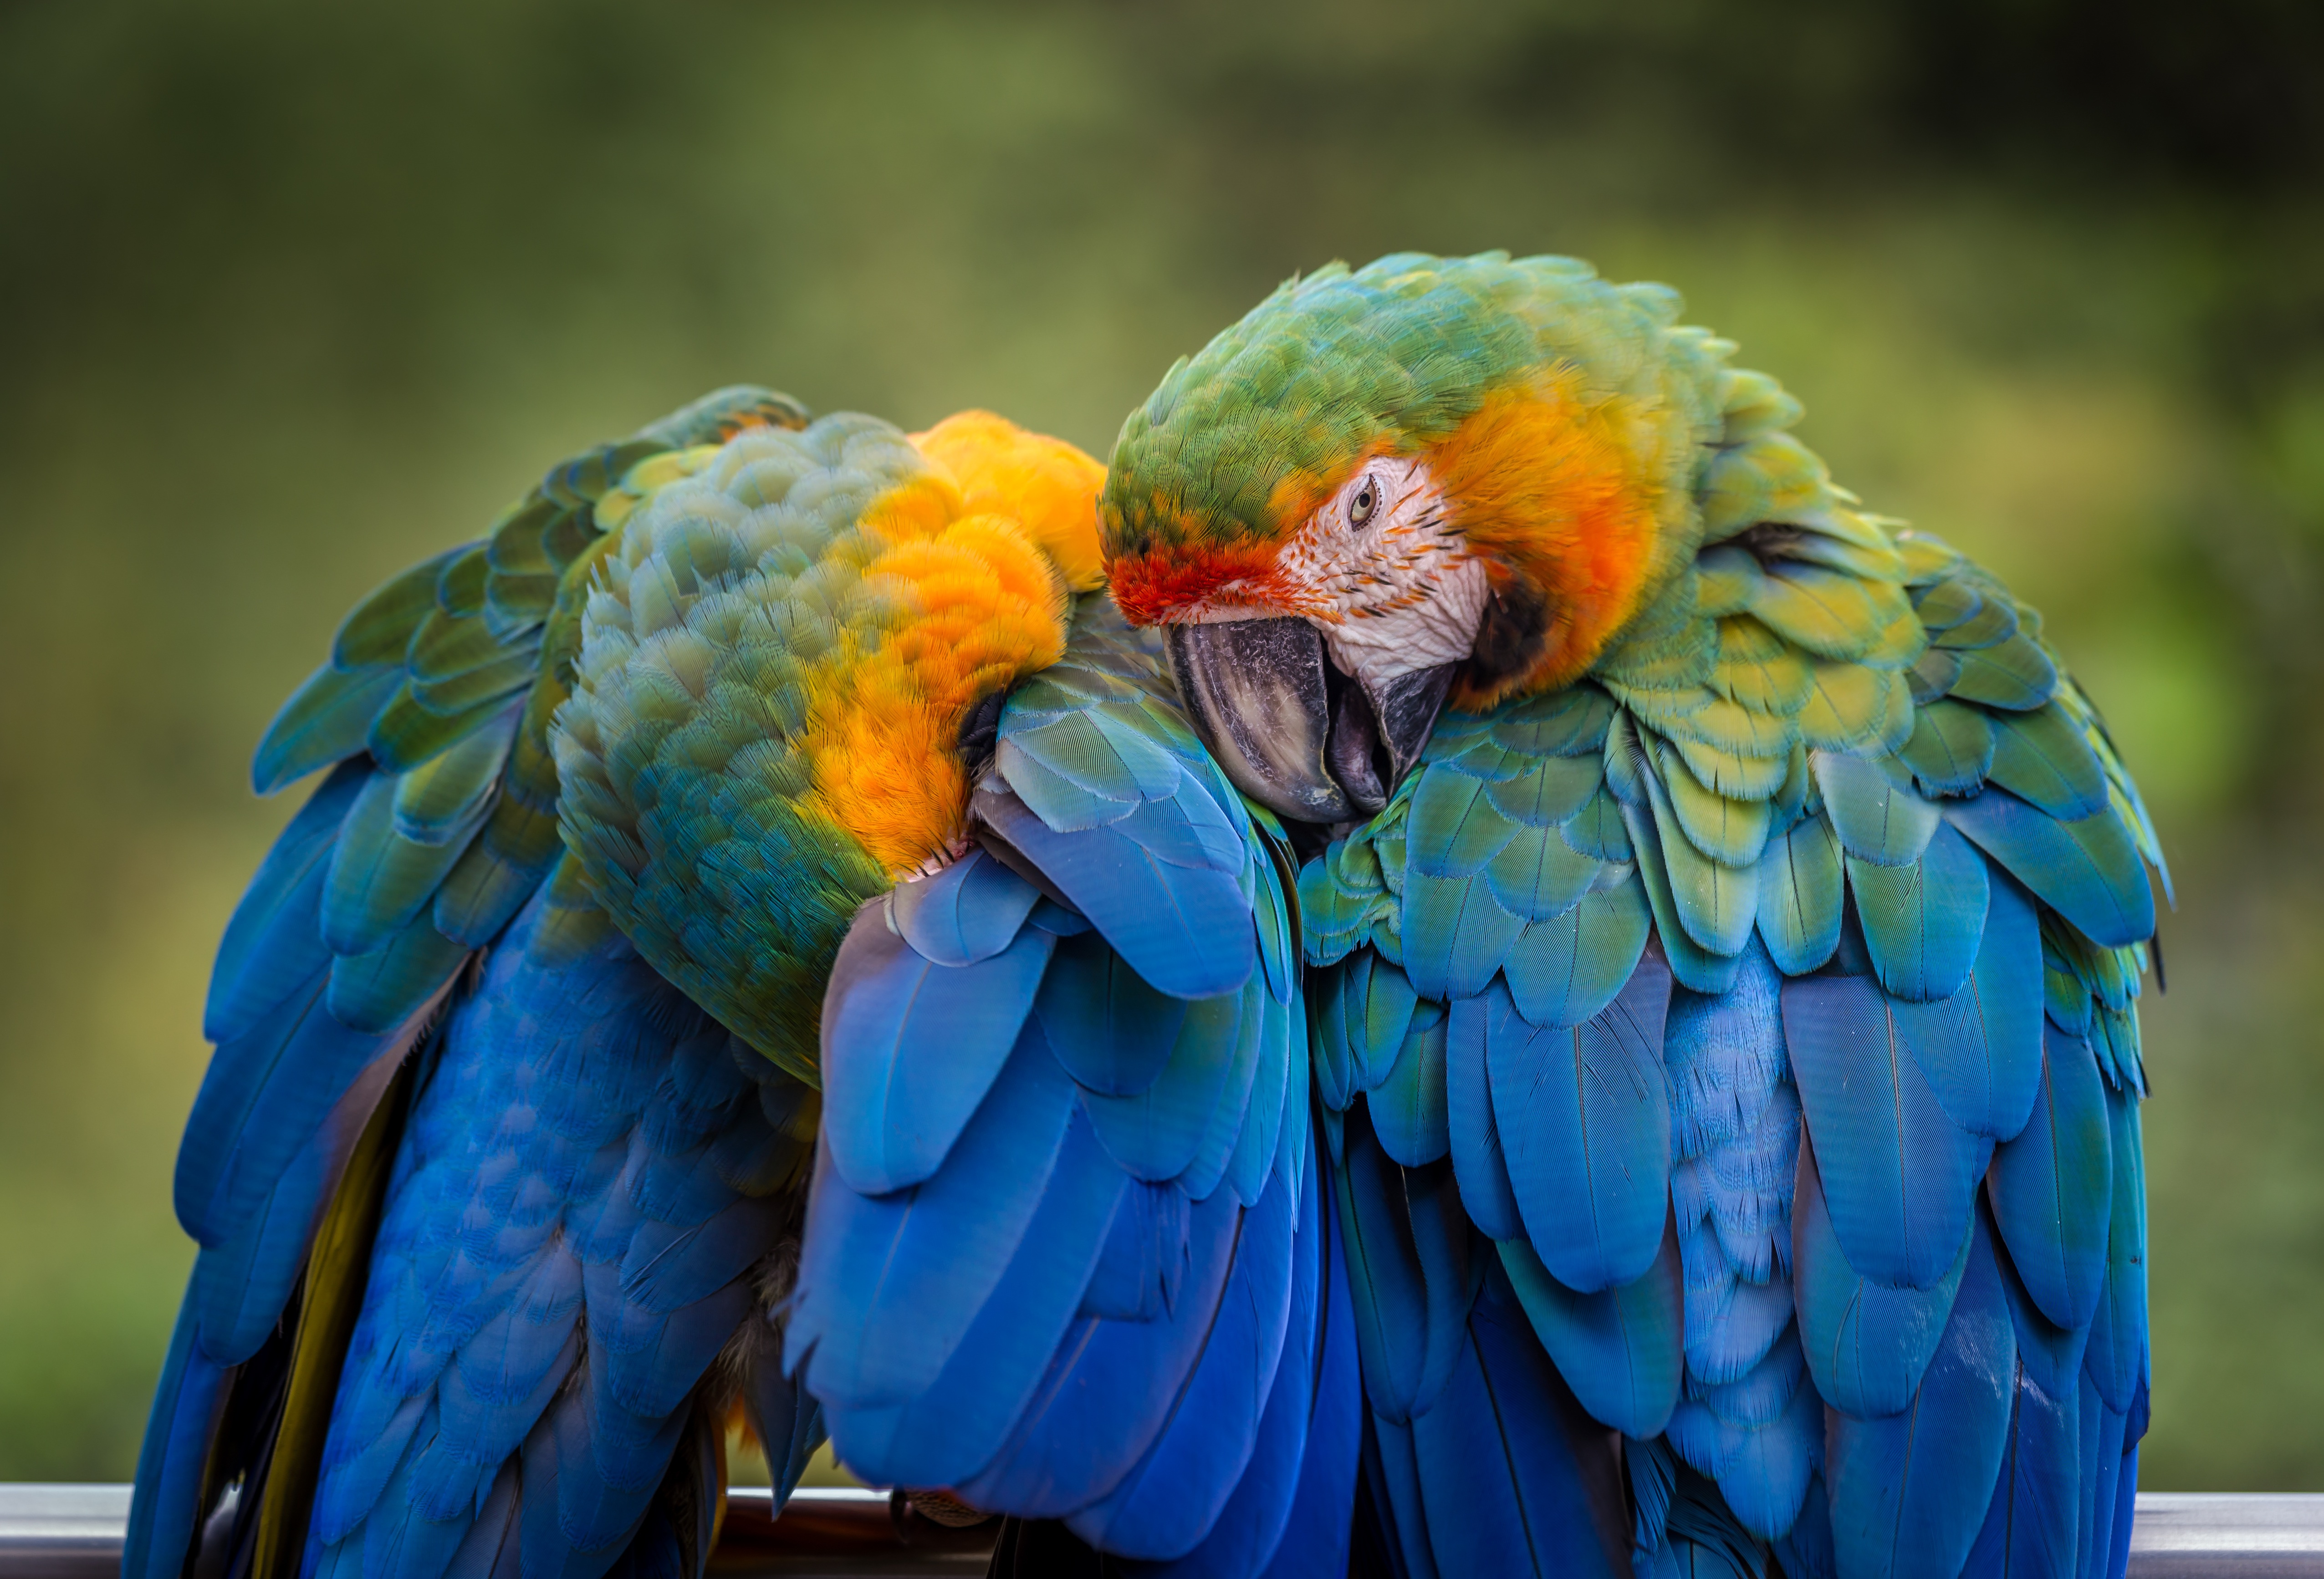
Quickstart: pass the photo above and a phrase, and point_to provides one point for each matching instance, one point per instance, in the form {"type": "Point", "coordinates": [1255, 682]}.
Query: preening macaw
{"type": "Point", "coordinates": [523, 1043]}
{"type": "Point", "coordinates": [1724, 956]}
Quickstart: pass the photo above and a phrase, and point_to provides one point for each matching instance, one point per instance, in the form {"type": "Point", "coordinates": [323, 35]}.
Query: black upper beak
{"type": "Point", "coordinates": [1293, 732]}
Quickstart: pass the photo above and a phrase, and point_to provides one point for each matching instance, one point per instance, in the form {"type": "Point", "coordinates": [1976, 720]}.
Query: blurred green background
{"type": "Point", "coordinates": [292, 296]}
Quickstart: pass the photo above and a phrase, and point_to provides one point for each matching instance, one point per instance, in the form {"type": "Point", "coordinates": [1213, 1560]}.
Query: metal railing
{"type": "Point", "coordinates": [74, 1532]}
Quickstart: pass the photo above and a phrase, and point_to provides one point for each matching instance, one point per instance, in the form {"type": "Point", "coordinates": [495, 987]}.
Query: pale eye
{"type": "Point", "coordinates": [1364, 503]}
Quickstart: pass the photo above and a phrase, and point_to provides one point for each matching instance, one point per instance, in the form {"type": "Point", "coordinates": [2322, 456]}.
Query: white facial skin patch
{"type": "Point", "coordinates": [1378, 570]}
{"type": "Point", "coordinates": [1400, 588]}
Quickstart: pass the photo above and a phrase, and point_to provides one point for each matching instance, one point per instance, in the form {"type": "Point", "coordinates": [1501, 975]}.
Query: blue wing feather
{"type": "Point", "coordinates": [1567, 968]}
{"type": "Point", "coordinates": [271, 944]}
{"type": "Point", "coordinates": [1109, 1356]}
{"type": "Point", "coordinates": [176, 1452]}
{"type": "Point", "coordinates": [1408, 1108]}
{"type": "Point", "coordinates": [1909, 1491]}
{"type": "Point", "coordinates": [1584, 1121]}
{"type": "Point", "coordinates": [1620, 1349]}
{"type": "Point", "coordinates": [1261, 1135]}
{"type": "Point", "coordinates": [1981, 1049]}
{"type": "Point", "coordinates": [1392, 1478]}
{"type": "Point", "coordinates": [2050, 1188]}
{"type": "Point", "coordinates": [261, 1099]}
{"type": "Point", "coordinates": [967, 913]}
{"type": "Point", "coordinates": [1162, 1509]}
{"type": "Point", "coordinates": [2088, 871]}
{"type": "Point", "coordinates": [1472, 1132]}
{"type": "Point", "coordinates": [1313, 1542]}
{"type": "Point", "coordinates": [2033, 1524]}
{"type": "Point", "coordinates": [1923, 923]}
{"type": "Point", "coordinates": [1158, 1133]}
{"type": "Point", "coordinates": [1516, 1479]}
{"type": "Point", "coordinates": [1414, 1266]}
{"type": "Point", "coordinates": [1186, 929]}
{"type": "Point", "coordinates": [553, 1275]}
{"type": "Point", "coordinates": [1109, 1387]}
{"type": "Point", "coordinates": [1456, 933]}
{"type": "Point", "coordinates": [1242, 1539]}
{"type": "Point", "coordinates": [888, 1284]}
{"type": "Point", "coordinates": [923, 1046]}
{"type": "Point", "coordinates": [2103, 1460]}
{"type": "Point", "coordinates": [2116, 1358]}
{"type": "Point", "coordinates": [1899, 1176]}
{"type": "Point", "coordinates": [1867, 1344]}
{"type": "Point", "coordinates": [1114, 1034]}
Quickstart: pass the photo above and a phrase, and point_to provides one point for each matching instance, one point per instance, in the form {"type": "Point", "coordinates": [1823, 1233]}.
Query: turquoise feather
{"type": "Point", "coordinates": [1619, 1348]}
{"type": "Point", "coordinates": [1564, 970]}
{"type": "Point", "coordinates": [1923, 923]}
{"type": "Point", "coordinates": [1801, 894]}
{"type": "Point", "coordinates": [326, 720]}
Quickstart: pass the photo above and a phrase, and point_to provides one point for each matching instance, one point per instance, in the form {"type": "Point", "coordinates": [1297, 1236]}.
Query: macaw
{"type": "Point", "coordinates": [1726, 919]}
{"type": "Point", "coordinates": [766, 800]}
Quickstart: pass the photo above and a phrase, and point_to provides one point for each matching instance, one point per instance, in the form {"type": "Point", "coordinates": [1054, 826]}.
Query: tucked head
{"type": "Point", "coordinates": [789, 664]}
{"type": "Point", "coordinates": [1425, 479]}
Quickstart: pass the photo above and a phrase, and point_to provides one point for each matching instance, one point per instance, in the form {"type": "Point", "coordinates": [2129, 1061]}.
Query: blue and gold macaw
{"type": "Point", "coordinates": [1726, 921]}
{"type": "Point", "coordinates": [766, 802]}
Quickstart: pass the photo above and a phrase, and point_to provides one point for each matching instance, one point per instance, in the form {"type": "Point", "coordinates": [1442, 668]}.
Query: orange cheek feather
{"type": "Point", "coordinates": [1544, 485]}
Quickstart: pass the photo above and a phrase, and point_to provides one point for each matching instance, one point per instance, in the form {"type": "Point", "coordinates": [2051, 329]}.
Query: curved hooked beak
{"type": "Point", "coordinates": [1293, 732]}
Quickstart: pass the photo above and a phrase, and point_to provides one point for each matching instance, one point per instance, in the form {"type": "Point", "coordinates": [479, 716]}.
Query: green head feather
{"type": "Point", "coordinates": [1393, 356]}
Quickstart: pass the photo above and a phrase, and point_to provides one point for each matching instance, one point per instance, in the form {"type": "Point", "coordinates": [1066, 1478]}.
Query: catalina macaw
{"type": "Point", "coordinates": [1726, 919]}
{"type": "Point", "coordinates": [756, 778]}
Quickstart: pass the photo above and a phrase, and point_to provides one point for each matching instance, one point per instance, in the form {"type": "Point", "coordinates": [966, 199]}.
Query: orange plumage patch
{"type": "Point", "coordinates": [1046, 484]}
{"type": "Point", "coordinates": [1552, 491]}
{"type": "Point", "coordinates": [973, 561]}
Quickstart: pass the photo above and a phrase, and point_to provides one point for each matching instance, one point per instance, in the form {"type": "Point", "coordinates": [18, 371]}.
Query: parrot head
{"type": "Point", "coordinates": [1427, 480]}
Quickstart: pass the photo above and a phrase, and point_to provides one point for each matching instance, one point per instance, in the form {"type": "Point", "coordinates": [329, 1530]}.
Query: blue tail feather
{"type": "Point", "coordinates": [167, 1509]}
